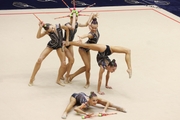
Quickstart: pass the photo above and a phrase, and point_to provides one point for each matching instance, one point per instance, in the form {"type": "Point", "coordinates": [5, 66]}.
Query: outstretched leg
{"type": "Point", "coordinates": [94, 47]}
{"type": "Point", "coordinates": [37, 66]}
{"type": "Point", "coordinates": [72, 102]}
{"type": "Point", "coordinates": [79, 71]}
{"type": "Point", "coordinates": [118, 49]}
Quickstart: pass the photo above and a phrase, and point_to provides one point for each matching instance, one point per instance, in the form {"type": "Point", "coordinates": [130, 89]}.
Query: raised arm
{"type": "Point", "coordinates": [93, 15]}
{"type": "Point", "coordinates": [39, 33]}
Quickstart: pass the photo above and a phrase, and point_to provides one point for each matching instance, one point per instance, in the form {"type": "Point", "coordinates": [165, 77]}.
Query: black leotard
{"type": "Point", "coordinates": [80, 98]}
{"type": "Point", "coordinates": [71, 33]}
{"type": "Point", "coordinates": [93, 40]}
{"type": "Point", "coordinates": [103, 56]}
{"type": "Point", "coordinates": [56, 39]}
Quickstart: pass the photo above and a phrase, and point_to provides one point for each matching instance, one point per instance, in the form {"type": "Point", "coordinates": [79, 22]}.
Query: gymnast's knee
{"type": "Point", "coordinates": [128, 51]}
{"type": "Point", "coordinates": [63, 64]}
{"type": "Point", "coordinates": [39, 61]}
{"type": "Point", "coordinates": [88, 68]}
{"type": "Point", "coordinates": [71, 61]}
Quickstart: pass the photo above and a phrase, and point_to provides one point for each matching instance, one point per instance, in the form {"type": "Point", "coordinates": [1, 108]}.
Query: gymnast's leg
{"type": "Point", "coordinates": [119, 49]}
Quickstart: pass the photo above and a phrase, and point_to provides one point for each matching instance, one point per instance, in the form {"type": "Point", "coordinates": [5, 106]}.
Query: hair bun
{"type": "Point", "coordinates": [46, 26]}
{"type": "Point", "coordinates": [92, 92]}
{"type": "Point", "coordinates": [94, 19]}
{"type": "Point", "coordinates": [114, 60]}
{"type": "Point", "coordinates": [113, 63]}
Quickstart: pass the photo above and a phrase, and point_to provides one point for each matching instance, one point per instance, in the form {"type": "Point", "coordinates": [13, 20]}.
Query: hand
{"type": "Point", "coordinates": [103, 113]}
{"type": "Point", "coordinates": [89, 114]}
{"type": "Point", "coordinates": [41, 24]}
{"type": "Point", "coordinates": [80, 38]}
{"type": "Point", "coordinates": [95, 15]}
{"type": "Point", "coordinates": [66, 43]}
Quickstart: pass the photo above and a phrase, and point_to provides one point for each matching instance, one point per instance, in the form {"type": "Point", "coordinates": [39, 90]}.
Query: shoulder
{"type": "Point", "coordinates": [90, 35]}
{"type": "Point", "coordinates": [99, 100]}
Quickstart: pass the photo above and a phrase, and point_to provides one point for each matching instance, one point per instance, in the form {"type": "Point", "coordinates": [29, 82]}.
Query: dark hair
{"type": "Point", "coordinates": [46, 26]}
{"type": "Point", "coordinates": [94, 21]}
{"type": "Point", "coordinates": [112, 63]}
{"type": "Point", "coordinates": [92, 94]}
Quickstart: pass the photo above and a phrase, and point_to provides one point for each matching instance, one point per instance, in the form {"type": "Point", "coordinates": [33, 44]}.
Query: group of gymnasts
{"type": "Point", "coordinates": [61, 40]}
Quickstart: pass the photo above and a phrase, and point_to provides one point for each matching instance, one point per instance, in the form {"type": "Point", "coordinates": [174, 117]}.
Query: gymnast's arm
{"type": "Point", "coordinates": [39, 33]}
{"type": "Point", "coordinates": [101, 71]}
{"type": "Point", "coordinates": [79, 109]}
{"type": "Point", "coordinates": [89, 20]}
{"type": "Point", "coordinates": [86, 36]}
{"type": "Point", "coordinates": [105, 103]}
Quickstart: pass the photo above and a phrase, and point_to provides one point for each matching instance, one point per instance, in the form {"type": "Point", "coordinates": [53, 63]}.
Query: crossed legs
{"type": "Point", "coordinates": [86, 59]}
{"type": "Point", "coordinates": [62, 68]}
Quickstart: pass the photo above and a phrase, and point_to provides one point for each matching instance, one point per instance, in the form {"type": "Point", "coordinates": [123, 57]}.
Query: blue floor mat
{"type": "Point", "coordinates": [172, 6]}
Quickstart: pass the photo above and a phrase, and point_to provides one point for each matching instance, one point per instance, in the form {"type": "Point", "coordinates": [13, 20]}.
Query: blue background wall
{"type": "Point", "coordinates": [173, 7]}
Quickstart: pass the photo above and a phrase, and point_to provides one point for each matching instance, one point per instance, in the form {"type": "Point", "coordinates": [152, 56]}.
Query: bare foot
{"type": "Point", "coordinates": [66, 80]}
{"type": "Point", "coordinates": [129, 72]}
{"type": "Point", "coordinates": [121, 109]}
{"type": "Point", "coordinates": [101, 93]}
{"type": "Point", "coordinates": [86, 86]}
{"type": "Point", "coordinates": [30, 84]}
{"type": "Point", "coordinates": [62, 78]}
{"type": "Point", "coordinates": [70, 78]}
{"type": "Point", "coordinates": [59, 83]}
{"type": "Point", "coordinates": [108, 87]}
{"type": "Point", "coordinates": [64, 116]}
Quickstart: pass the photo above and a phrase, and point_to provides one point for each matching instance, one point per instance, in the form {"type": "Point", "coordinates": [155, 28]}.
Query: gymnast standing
{"type": "Point", "coordinates": [72, 29]}
{"type": "Point", "coordinates": [81, 101]}
{"type": "Point", "coordinates": [93, 37]}
{"type": "Point", "coordinates": [56, 43]}
{"type": "Point", "coordinates": [104, 62]}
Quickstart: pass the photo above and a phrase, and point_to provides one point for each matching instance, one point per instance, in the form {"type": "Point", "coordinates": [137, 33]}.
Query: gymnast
{"type": "Point", "coordinates": [81, 101]}
{"type": "Point", "coordinates": [93, 37]}
{"type": "Point", "coordinates": [104, 62]}
{"type": "Point", "coordinates": [56, 43]}
{"type": "Point", "coordinates": [72, 28]}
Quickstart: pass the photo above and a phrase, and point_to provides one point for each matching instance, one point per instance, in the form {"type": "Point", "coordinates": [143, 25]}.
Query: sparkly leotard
{"type": "Point", "coordinates": [93, 40]}
{"type": "Point", "coordinates": [56, 39]}
{"type": "Point", "coordinates": [103, 56]}
{"type": "Point", "coordinates": [71, 33]}
{"type": "Point", "coordinates": [80, 98]}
